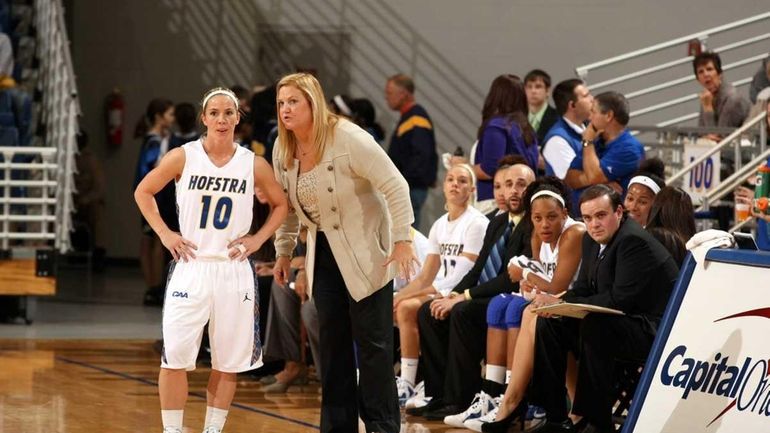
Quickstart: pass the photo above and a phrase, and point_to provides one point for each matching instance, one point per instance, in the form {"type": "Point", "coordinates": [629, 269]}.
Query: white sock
{"type": "Point", "coordinates": [507, 377]}
{"type": "Point", "coordinates": [172, 418]}
{"type": "Point", "coordinates": [495, 373]}
{"type": "Point", "coordinates": [215, 417]}
{"type": "Point", "coordinates": [409, 369]}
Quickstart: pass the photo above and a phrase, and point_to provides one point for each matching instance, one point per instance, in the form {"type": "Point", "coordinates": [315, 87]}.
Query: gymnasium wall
{"type": "Point", "coordinates": [179, 48]}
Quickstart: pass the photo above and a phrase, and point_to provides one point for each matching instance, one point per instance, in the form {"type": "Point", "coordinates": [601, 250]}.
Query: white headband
{"type": "Point", "coordinates": [646, 181]}
{"type": "Point", "coordinates": [549, 193]}
{"type": "Point", "coordinates": [220, 92]}
{"type": "Point", "coordinates": [342, 105]}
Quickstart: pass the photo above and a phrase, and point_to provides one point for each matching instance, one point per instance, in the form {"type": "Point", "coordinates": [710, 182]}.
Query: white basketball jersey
{"type": "Point", "coordinates": [549, 257]}
{"type": "Point", "coordinates": [215, 204]}
{"type": "Point", "coordinates": [449, 239]}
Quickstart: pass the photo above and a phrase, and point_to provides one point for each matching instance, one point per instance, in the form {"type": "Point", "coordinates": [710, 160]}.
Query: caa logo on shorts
{"type": "Point", "coordinates": [176, 294]}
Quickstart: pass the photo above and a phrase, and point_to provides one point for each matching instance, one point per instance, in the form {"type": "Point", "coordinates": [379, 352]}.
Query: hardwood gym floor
{"type": "Point", "coordinates": [86, 365]}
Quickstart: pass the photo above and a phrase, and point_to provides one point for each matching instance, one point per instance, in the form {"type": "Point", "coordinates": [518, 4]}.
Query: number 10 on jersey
{"type": "Point", "coordinates": [221, 215]}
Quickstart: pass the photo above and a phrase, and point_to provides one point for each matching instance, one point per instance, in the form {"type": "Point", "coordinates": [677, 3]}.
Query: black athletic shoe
{"type": "Point", "coordinates": [419, 411]}
{"type": "Point", "coordinates": [440, 413]}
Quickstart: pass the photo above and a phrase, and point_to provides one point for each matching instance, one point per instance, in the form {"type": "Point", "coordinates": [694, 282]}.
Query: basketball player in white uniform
{"type": "Point", "coordinates": [556, 243]}
{"type": "Point", "coordinates": [210, 281]}
{"type": "Point", "coordinates": [455, 241]}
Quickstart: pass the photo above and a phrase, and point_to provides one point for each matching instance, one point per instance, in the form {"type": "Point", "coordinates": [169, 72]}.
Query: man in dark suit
{"type": "Point", "coordinates": [624, 268]}
{"type": "Point", "coordinates": [453, 329]}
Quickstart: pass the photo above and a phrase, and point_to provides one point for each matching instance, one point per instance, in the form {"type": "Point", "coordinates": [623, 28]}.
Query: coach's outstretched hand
{"type": "Point", "coordinates": [404, 256]}
{"type": "Point", "coordinates": [180, 248]}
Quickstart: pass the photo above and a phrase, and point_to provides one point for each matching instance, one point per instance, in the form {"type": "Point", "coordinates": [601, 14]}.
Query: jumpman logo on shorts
{"type": "Point", "coordinates": [246, 297]}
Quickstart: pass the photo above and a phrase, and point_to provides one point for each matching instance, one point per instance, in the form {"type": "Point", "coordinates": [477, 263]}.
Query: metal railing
{"type": "Point", "coordinates": [583, 71]}
{"type": "Point", "coordinates": [659, 94]}
{"type": "Point", "coordinates": [743, 171]}
{"type": "Point", "coordinates": [731, 139]}
{"type": "Point", "coordinates": [37, 182]}
{"type": "Point", "coordinates": [27, 191]}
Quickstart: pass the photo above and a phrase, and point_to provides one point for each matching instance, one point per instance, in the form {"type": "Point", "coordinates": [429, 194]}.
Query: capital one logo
{"type": "Point", "coordinates": [745, 383]}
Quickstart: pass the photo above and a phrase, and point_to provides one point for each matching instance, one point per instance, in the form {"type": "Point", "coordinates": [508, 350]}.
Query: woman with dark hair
{"type": "Point", "coordinates": [153, 129]}
{"type": "Point", "coordinates": [364, 115]}
{"type": "Point", "coordinates": [504, 130]}
{"type": "Point", "coordinates": [556, 255]}
{"type": "Point", "coordinates": [673, 210]}
{"type": "Point", "coordinates": [642, 188]}
{"type": "Point", "coordinates": [340, 105]}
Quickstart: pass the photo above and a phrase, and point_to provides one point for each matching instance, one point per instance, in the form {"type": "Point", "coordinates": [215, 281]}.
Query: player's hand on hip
{"type": "Point", "coordinates": [403, 255]}
{"type": "Point", "coordinates": [281, 270]}
{"type": "Point", "coordinates": [180, 248]}
{"type": "Point", "coordinates": [243, 247]}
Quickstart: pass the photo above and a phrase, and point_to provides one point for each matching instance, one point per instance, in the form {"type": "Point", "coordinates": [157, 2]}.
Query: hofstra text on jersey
{"type": "Point", "coordinates": [218, 184]}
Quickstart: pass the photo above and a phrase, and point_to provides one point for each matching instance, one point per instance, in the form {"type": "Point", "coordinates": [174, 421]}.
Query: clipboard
{"type": "Point", "coordinates": [577, 311]}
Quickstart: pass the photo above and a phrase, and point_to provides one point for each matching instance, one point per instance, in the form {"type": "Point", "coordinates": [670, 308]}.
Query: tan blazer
{"type": "Point", "coordinates": [364, 209]}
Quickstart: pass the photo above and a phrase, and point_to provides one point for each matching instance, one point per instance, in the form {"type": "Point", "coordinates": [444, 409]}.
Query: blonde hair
{"type": "Point", "coordinates": [324, 120]}
{"type": "Point", "coordinates": [469, 170]}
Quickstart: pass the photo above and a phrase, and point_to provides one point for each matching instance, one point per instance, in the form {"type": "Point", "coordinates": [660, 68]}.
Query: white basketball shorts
{"type": "Point", "coordinates": [222, 293]}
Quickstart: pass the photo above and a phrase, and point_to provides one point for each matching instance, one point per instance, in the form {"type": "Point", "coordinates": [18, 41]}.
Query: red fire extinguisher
{"type": "Point", "coordinates": [115, 108]}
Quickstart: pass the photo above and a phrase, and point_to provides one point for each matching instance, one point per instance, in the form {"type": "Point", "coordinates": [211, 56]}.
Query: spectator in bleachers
{"type": "Point", "coordinates": [563, 149]}
{"type": "Point", "coordinates": [455, 241]}
{"type": "Point", "coordinates": [15, 108]}
{"type": "Point", "coordinates": [607, 135]}
{"type": "Point", "coordinates": [365, 116]}
{"type": "Point", "coordinates": [537, 84]}
{"type": "Point", "coordinates": [624, 268]}
{"type": "Point", "coordinates": [642, 188]}
{"type": "Point", "coordinates": [504, 131]}
{"type": "Point", "coordinates": [413, 143]}
{"type": "Point", "coordinates": [556, 242]}
{"type": "Point", "coordinates": [153, 128]}
{"type": "Point", "coordinates": [453, 328]}
{"type": "Point", "coordinates": [720, 103]}
{"type": "Point", "coordinates": [6, 61]}
{"type": "Point", "coordinates": [761, 80]}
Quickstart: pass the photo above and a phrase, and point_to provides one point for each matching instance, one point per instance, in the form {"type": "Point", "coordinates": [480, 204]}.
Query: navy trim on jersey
{"type": "Point", "coordinates": [171, 267]}
{"type": "Point", "coordinates": [256, 352]}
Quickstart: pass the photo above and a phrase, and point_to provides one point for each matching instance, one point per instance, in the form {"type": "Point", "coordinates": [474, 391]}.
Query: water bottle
{"type": "Point", "coordinates": [762, 190]}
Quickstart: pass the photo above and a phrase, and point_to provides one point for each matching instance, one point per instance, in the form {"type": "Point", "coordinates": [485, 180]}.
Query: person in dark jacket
{"type": "Point", "coordinates": [624, 268]}
{"type": "Point", "coordinates": [413, 143]}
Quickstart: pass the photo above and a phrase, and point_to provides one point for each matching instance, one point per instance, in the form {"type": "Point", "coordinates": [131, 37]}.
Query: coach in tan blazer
{"type": "Point", "coordinates": [357, 185]}
{"type": "Point", "coordinates": [355, 203]}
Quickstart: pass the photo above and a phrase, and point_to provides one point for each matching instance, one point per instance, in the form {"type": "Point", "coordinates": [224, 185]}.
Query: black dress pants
{"type": "Point", "coordinates": [368, 323]}
{"type": "Point", "coordinates": [452, 350]}
{"type": "Point", "coordinates": [598, 340]}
